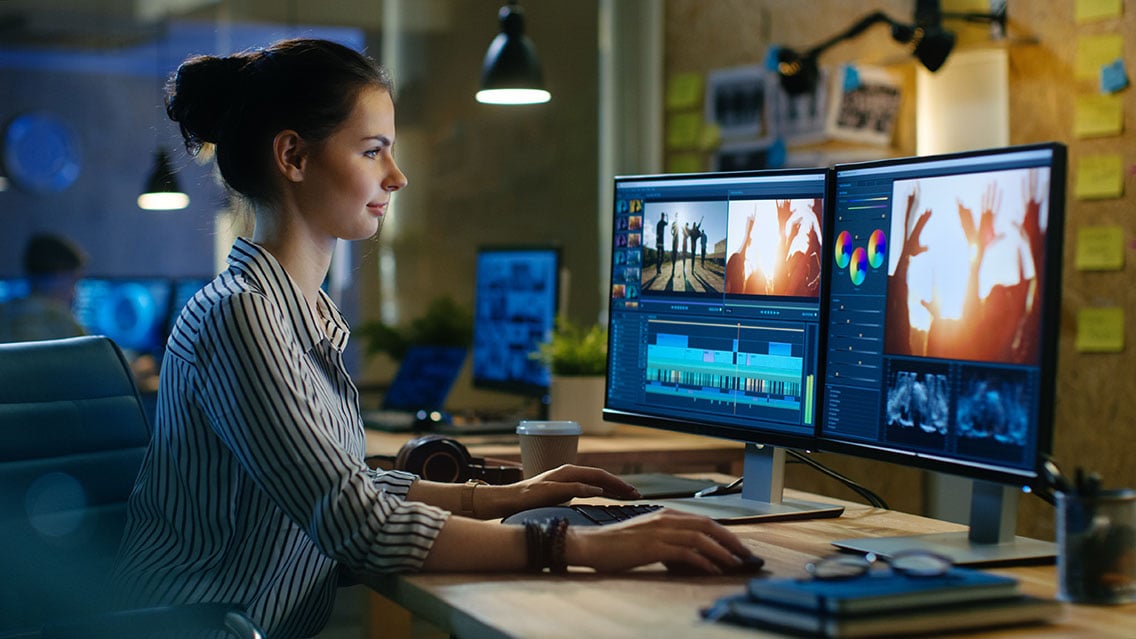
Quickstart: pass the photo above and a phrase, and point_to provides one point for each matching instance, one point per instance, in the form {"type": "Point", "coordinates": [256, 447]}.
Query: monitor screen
{"type": "Point", "coordinates": [132, 312]}
{"type": "Point", "coordinates": [715, 307]}
{"type": "Point", "coordinates": [943, 278]}
{"type": "Point", "coordinates": [515, 306]}
{"type": "Point", "coordinates": [13, 287]}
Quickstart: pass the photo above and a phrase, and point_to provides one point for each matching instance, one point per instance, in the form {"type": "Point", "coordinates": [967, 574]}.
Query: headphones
{"type": "Point", "coordinates": [439, 458]}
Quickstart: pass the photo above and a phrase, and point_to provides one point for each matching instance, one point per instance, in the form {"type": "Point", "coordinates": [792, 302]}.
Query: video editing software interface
{"type": "Point", "coordinates": [938, 346]}
{"type": "Point", "coordinates": [515, 305]}
{"type": "Point", "coordinates": [715, 301]}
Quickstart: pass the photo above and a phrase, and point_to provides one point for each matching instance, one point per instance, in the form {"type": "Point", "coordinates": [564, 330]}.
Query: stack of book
{"type": "Point", "coordinates": [883, 603]}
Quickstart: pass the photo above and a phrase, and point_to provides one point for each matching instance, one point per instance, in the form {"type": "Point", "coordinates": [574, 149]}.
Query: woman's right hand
{"type": "Point", "coordinates": [679, 540]}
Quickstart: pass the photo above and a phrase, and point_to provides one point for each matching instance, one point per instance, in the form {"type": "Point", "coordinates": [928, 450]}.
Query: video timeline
{"type": "Point", "coordinates": [755, 372]}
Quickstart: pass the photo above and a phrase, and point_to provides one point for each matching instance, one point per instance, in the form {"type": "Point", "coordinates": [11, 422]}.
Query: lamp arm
{"type": "Point", "coordinates": [850, 32]}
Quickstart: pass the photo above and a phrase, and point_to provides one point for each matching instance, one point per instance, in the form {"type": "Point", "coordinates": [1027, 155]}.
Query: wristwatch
{"type": "Point", "coordinates": [467, 496]}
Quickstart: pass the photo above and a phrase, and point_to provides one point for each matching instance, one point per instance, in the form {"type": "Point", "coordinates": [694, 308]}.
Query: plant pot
{"type": "Point", "coordinates": [579, 399]}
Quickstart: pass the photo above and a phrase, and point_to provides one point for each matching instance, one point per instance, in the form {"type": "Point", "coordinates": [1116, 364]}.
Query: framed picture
{"type": "Point", "coordinates": [865, 106]}
{"type": "Point", "coordinates": [736, 101]}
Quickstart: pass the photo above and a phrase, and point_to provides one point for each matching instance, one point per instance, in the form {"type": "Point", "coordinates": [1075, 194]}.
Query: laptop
{"type": "Point", "coordinates": [420, 387]}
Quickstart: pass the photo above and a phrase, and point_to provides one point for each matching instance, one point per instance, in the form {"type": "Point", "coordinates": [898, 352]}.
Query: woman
{"type": "Point", "coordinates": [254, 490]}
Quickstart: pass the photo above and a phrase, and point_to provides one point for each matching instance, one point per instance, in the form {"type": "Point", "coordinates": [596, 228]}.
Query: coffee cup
{"type": "Point", "coordinates": [547, 444]}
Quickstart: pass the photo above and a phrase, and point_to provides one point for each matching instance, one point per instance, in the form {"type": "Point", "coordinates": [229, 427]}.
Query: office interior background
{"type": "Point", "coordinates": [541, 174]}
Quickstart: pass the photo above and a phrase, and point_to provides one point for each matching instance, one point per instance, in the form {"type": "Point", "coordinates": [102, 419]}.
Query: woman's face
{"type": "Point", "coordinates": [350, 176]}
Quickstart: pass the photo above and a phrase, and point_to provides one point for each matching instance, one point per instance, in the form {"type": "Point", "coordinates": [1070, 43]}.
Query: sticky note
{"type": "Point", "coordinates": [1093, 10]}
{"type": "Point", "coordinates": [1100, 248]}
{"type": "Point", "coordinates": [1113, 76]}
{"type": "Point", "coordinates": [683, 130]}
{"type": "Point", "coordinates": [684, 91]}
{"type": "Point", "coordinates": [1100, 330]}
{"type": "Point", "coordinates": [685, 163]}
{"type": "Point", "coordinates": [1094, 52]}
{"type": "Point", "coordinates": [1098, 115]}
{"type": "Point", "coordinates": [1099, 177]}
{"type": "Point", "coordinates": [710, 137]}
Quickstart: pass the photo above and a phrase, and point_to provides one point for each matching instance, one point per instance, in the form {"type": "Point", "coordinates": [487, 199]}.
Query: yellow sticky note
{"type": "Point", "coordinates": [1094, 52]}
{"type": "Point", "coordinates": [1097, 115]}
{"type": "Point", "coordinates": [1099, 177]}
{"type": "Point", "coordinates": [1092, 10]}
{"type": "Point", "coordinates": [683, 130]}
{"type": "Point", "coordinates": [685, 163]}
{"type": "Point", "coordinates": [1100, 330]}
{"type": "Point", "coordinates": [710, 137]}
{"type": "Point", "coordinates": [684, 91]}
{"type": "Point", "coordinates": [1100, 248]}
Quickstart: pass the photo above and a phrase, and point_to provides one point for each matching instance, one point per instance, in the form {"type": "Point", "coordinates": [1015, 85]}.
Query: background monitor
{"type": "Point", "coordinates": [13, 287]}
{"type": "Point", "coordinates": [715, 320]}
{"type": "Point", "coordinates": [515, 305]}
{"type": "Point", "coordinates": [943, 275]}
{"type": "Point", "coordinates": [132, 312]}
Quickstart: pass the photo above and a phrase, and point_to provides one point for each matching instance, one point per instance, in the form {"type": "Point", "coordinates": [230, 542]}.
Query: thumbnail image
{"type": "Point", "coordinates": [918, 409]}
{"type": "Point", "coordinates": [634, 239]}
{"type": "Point", "coordinates": [618, 291]}
{"type": "Point", "coordinates": [774, 247]}
{"type": "Point", "coordinates": [965, 266]}
{"type": "Point", "coordinates": [684, 247]}
{"type": "Point", "coordinates": [635, 222]}
{"type": "Point", "coordinates": [993, 407]}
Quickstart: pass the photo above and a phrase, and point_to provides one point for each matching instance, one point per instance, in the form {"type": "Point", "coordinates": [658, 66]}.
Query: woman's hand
{"type": "Point", "coordinates": [551, 487]}
{"type": "Point", "coordinates": [681, 541]}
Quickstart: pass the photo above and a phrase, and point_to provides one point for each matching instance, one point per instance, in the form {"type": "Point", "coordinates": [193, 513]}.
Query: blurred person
{"type": "Point", "coordinates": [52, 264]}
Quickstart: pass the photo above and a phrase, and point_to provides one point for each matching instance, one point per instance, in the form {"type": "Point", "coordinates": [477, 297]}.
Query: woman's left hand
{"type": "Point", "coordinates": [551, 487]}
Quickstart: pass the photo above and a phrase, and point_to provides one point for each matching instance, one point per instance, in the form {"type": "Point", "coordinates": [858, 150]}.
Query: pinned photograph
{"type": "Point", "coordinates": [736, 101]}
{"type": "Point", "coordinates": [865, 105]}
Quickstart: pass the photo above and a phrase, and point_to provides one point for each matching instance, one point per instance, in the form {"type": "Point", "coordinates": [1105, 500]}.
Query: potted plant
{"type": "Point", "coordinates": [445, 323]}
{"type": "Point", "coordinates": [577, 357]}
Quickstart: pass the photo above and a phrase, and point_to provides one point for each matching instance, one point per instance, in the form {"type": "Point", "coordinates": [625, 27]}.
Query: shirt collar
{"type": "Point", "coordinates": [261, 267]}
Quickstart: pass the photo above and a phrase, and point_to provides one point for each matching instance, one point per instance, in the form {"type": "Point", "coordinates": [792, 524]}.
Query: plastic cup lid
{"type": "Point", "coordinates": [528, 427]}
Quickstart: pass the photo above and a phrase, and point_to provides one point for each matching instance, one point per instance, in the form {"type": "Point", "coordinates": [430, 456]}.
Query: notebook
{"type": "Point", "coordinates": [423, 380]}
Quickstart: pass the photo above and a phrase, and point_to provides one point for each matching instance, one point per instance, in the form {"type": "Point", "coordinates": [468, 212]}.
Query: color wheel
{"type": "Point", "coordinates": [859, 266]}
{"type": "Point", "coordinates": [877, 248]}
{"type": "Point", "coordinates": [843, 249]}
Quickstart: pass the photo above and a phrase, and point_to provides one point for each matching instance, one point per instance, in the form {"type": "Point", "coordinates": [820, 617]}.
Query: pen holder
{"type": "Point", "coordinates": [1096, 547]}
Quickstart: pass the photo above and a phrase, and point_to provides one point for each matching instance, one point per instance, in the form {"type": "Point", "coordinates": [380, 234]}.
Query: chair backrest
{"type": "Point", "coordinates": [72, 436]}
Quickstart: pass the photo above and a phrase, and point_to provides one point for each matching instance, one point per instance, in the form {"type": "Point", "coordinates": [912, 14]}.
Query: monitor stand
{"type": "Point", "coordinates": [989, 542]}
{"type": "Point", "coordinates": [761, 496]}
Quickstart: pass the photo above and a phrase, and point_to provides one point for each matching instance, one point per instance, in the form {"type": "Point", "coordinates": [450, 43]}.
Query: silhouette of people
{"type": "Point", "coordinates": [998, 312]}
{"type": "Point", "coordinates": [695, 235]}
{"type": "Point", "coordinates": [674, 244]}
{"type": "Point", "coordinates": [52, 266]}
{"type": "Point", "coordinates": [660, 231]}
{"type": "Point", "coordinates": [703, 235]}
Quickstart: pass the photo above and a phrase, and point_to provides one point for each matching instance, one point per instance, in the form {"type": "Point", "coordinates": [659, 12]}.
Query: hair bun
{"type": "Point", "coordinates": [201, 94]}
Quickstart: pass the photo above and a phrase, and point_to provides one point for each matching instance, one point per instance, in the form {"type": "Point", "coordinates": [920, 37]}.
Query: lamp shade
{"type": "Point", "coordinates": [511, 72]}
{"type": "Point", "coordinates": [162, 192]}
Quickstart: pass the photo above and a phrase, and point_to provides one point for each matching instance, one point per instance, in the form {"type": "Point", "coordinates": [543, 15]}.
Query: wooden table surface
{"type": "Point", "coordinates": [649, 602]}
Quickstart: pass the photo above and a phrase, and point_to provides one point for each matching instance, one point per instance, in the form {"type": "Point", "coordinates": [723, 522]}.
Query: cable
{"type": "Point", "coordinates": [871, 497]}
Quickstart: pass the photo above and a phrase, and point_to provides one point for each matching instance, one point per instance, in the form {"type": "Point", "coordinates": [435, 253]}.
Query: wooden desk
{"type": "Point", "coordinates": [630, 449]}
{"type": "Point", "coordinates": [650, 603]}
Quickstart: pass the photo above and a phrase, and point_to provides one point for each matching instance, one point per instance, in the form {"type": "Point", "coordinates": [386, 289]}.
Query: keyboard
{"type": "Point", "coordinates": [583, 514]}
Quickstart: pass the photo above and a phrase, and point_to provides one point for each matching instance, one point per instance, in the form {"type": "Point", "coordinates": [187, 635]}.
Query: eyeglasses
{"type": "Point", "coordinates": [912, 563]}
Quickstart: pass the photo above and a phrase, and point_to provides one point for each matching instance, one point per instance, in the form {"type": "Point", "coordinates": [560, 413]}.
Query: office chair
{"type": "Point", "coordinates": [72, 436]}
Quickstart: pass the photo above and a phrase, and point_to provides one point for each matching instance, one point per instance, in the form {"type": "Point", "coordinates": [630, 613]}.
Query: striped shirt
{"type": "Point", "coordinates": [254, 490]}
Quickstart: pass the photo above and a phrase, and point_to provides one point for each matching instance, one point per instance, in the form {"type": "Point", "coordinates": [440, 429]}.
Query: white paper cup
{"type": "Point", "coordinates": [546, 445]}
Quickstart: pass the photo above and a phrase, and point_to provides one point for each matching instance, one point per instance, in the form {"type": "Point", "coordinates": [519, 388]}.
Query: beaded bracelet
{"type": "Point", "coordinates": [545, 544]}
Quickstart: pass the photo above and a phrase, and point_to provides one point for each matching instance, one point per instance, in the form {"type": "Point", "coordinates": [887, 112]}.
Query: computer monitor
{"type": "Point", "coordinates": [714, 322]}
{"type": "Point", "coordinates": [13, 287]}
{"type": "Point", "coordinates": [132, 312]}
{"type": "Point", "coordinates": [943, 277]}
{"type": "Point", "coordinates": [515, 305]}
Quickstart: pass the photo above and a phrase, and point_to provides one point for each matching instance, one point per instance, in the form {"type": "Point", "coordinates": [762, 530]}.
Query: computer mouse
{"type": "Point", "coordinates": [751, 565]}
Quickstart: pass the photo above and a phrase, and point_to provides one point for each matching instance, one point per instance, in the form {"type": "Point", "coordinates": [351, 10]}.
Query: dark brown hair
{"type": "Point", "coordinates": [238, 103]}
